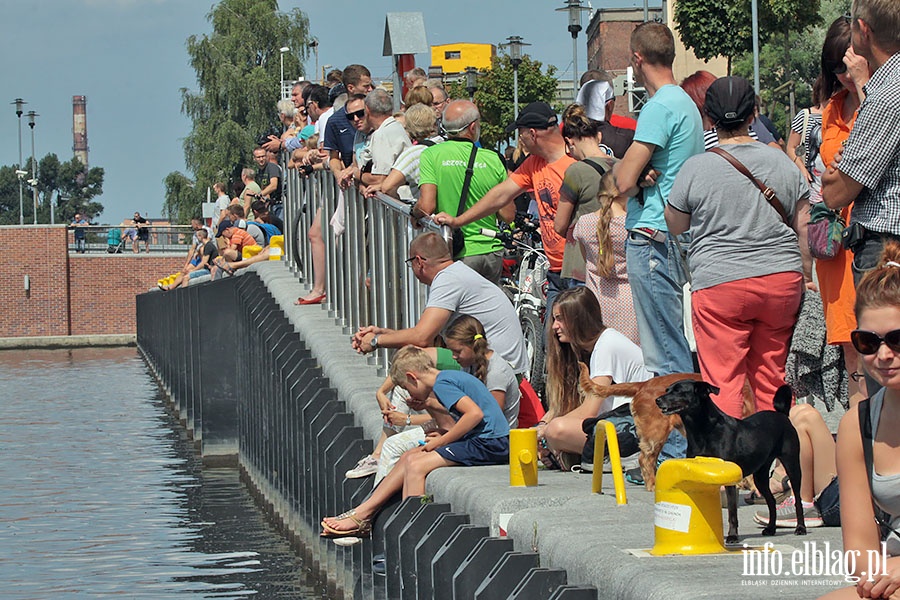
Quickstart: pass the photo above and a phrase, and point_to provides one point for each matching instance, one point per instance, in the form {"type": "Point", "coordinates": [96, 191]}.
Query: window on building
{"type": "Point", "coordinates": [452, 55]}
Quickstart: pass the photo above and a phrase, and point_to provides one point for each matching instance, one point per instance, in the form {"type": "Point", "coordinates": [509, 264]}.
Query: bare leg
{"type": "Point", "coordinates": [317, 247]}
{"type": "Point", "coordinates": [564, 434]}
{"type": "Point", "coordinates": [816, 450]}
{"type": "Point", "coordinates": [389, 486]}
{"type": "Point", "coordinates": [418, 467]}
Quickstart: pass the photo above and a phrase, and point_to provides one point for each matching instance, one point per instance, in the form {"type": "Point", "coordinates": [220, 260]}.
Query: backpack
{"type": "Point", "coordinates": [268, 230]}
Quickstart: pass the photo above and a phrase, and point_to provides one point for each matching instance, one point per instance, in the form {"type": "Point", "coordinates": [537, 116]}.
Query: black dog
{"type": "Point", "coordinates": [752, 443]}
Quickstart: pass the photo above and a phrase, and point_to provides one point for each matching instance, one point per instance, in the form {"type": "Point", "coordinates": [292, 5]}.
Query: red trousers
{"type": "Point", "coordinates": [743, 329]}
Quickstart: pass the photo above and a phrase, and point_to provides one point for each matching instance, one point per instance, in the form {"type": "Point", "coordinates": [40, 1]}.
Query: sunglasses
{"type": "Point", "coordinates": [359, 114]}
{"type": "Point", "coordinates": [868, 342]}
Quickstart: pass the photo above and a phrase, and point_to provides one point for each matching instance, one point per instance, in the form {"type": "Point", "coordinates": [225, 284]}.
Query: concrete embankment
{"type": "Point", "coordinates": [279, 388]}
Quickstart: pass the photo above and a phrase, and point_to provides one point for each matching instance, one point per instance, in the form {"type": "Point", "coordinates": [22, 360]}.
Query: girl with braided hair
{"type": "Point", "coordinates": [465, 339]}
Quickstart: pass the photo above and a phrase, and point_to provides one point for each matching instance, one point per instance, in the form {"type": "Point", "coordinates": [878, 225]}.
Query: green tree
{"type": "Point", "coordinates": [183, 199]}
{"type": "Point", "coordinates": [67, 185]}
{"type": "Point", "coordinates": [494, 96]}
{"type": "Point", "coordinates": [714, 28]}
{"type": "Point", "coordinates": [238, 67]}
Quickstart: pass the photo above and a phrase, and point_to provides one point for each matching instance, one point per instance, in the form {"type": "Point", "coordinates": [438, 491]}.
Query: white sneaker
{"type": "Point", "coordinates": [366, 466]}
{"type": "Point", "coordinates": [786, 515]}
{"type": "Point", "coordinates": [628, 462]}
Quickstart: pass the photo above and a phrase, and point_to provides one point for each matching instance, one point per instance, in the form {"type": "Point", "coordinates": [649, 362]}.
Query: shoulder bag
{"type": "Point", "coordinates": [824, 231]}
{"type": "Point", "coordinates": [767, 192]}
{"type": "Point", "coordinates": [459, 242]}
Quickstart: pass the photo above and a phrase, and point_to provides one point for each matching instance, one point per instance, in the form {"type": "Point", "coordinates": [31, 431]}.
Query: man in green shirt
{"type": "Point", "coordinates": [442, 172]}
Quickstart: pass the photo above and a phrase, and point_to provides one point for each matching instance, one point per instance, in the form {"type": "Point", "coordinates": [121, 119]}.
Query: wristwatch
{"type": "Point", "coordinates": [374, 342]}
{"type": "Point", "coordinates": [408, 420]}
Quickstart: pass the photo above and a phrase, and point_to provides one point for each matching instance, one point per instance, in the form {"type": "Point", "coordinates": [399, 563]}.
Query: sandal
{"type": "Point", "coordinates": [363, 527]}
{"type": "Point", "coordinates": [223, 264]}
{"type": "Point", "coordinates": [755, 497]}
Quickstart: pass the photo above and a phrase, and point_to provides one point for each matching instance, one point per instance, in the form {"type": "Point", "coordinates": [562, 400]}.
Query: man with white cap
{"type": "Point", "coordinates": [597, 97]}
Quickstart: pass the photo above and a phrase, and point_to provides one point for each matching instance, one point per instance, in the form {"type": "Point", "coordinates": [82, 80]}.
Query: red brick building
{"type": "Point", "coordinates": [47, 291]}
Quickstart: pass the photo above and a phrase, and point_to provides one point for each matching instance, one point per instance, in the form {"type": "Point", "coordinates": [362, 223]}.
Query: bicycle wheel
{"type": "Point", "coordinates": [533, 330]}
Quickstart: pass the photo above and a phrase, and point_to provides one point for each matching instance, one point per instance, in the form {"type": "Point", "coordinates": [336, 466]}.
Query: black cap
{"type": "Point", "coordinates": [537, 115]}
{"type": "Point", "coordinates": [730, 100]}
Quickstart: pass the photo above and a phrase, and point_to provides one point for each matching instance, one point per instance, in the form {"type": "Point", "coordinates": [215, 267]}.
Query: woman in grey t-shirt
{"type": "Point", "coordinates": [744, 258]}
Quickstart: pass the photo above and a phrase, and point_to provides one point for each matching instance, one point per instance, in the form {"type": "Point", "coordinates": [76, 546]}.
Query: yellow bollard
{"type": "Point", "coordinates": [688, 517]}
{"type": "Point", "coordinates": [251, 251]}
{"type": "Point", "coordinates": [523, 457]}
{"type": "Point", "coordinates": [605, 435]}
{"type": "Point", "coordinates": [276, 247]}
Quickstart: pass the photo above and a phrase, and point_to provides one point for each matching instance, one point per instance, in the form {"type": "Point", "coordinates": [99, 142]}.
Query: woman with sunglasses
{"type": "Point", "coordinates": [868, 466]}
{"type": "Point", "coordinates": [843, 74]}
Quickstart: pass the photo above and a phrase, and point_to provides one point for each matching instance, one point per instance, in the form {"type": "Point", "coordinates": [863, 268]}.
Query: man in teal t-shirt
{"type": "Point", "coordinates": [669, 131]}
{"type": "Point", "coordinates": [442, 171]}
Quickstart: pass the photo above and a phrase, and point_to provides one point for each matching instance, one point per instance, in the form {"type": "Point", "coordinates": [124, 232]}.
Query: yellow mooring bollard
{"type": "Point", "coordinates": [523, 457]}
{"type": "Point", "coordinates": [605, 436]}
{"type": "Point", "coordinates": [688, 517]}
{"type": "Point", "coordinates": [250, 251]}
{"type": "Point", "coordinates": [276, 247]}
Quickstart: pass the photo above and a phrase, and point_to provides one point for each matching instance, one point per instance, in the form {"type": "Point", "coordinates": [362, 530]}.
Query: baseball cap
{"type": "Point", "coordinates": [537, 115]}
{"type": "Point", "coordinates": [730, 100]}
{"type": "Point", "coordinates": [223, 225]}
{"type": "Point", "coordinates": [593, 96]}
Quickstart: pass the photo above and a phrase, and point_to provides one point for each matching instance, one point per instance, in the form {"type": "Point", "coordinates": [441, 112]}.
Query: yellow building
{"type": "Point", "coordinates": [454, 58]}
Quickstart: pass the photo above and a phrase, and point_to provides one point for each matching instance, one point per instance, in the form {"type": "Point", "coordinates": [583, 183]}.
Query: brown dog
{"type": "Point", "coordinates": [652, 426]}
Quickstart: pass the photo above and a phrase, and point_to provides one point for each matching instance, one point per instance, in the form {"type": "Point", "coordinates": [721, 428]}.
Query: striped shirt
{"type": "Point", "coordinates": [711, 138]}
{"type": "Point", "coordinates": [408, 164]}
{"type": "Point", "coordinates": [872, 153]}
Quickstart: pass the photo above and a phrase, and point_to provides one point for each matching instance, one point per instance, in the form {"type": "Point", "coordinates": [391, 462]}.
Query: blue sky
{"type": "Point", "coordinates": [128, 57]}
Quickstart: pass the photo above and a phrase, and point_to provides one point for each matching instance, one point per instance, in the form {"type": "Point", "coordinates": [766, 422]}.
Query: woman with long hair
{"type": "Point", "coordinates": [591, 214]}
{"type": "Point", "coordinates": [868, 458]}
{"type": "Point", "coordinates": [843, 74]}
{"type": "Point", "coordinates": [577, 334]}
{"type": "Point", "coordinates": [465, 338]}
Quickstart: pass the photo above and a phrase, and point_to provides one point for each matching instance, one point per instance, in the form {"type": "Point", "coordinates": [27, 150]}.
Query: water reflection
{"type": "Point", "coordinates": [102, 494]}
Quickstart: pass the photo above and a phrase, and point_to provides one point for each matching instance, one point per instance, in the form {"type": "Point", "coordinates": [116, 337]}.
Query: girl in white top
{"type": "Point", "coordinates": [579, 335]}
{"type": "Point", "coordinates": [877, 340]}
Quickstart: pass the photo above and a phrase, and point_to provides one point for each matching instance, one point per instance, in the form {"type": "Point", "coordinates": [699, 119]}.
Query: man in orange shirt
{"type": "Point", "coordinates": [237, 239]}
{"type": "Point", "coordinates": [541, 174]}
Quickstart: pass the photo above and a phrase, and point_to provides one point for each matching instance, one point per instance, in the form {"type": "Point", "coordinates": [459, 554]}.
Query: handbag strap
{"type": "Point", "coordinates": [470, 170]}
{"type": "Point", "coordinates": [767, 192]}
{"type": "Point", "coordinates": [866, 433]}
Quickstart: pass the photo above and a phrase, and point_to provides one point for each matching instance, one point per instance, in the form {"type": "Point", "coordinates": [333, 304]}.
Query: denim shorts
{"type": "Point", "coordinates": [477, 451]}
{"type": "Point", "coordinates": [829, 504]}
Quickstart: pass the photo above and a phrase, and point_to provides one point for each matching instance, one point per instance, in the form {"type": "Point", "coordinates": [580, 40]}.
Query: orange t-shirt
{"type": "Point", "coordinates": [241, 239]}
{"type": "Point", "coordinates": [835, 275]}
{"type": "Point", "coordinates": [544, 179]}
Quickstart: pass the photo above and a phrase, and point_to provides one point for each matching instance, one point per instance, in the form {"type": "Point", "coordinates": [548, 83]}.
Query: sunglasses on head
{"type": "Point", "coordinates": [868, 342]}
{"type": "Point", "coordinates": [359, 114]}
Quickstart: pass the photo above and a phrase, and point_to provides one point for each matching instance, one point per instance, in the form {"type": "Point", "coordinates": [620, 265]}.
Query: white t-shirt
{"type": "Point", "coordinates": [222, 203]}
{"type": "Point", "coordinates": [320, 125]}
{"type": "Point", "coordinates": [616, 356]}
{"type": "Point", "coordinates": [462, 291]}
{"type": "Point", "coordinates": [387, 143]}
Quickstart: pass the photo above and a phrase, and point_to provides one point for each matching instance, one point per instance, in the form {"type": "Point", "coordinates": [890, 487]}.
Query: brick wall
{"type": "Point", "coordinates": [77, 294]}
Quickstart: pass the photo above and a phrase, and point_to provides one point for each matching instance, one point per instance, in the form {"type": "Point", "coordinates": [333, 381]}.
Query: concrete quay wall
{"type": "Point", "coordinates": [277, 389]}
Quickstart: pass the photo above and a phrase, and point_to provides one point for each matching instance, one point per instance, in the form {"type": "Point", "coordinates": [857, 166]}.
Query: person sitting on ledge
{"type": "Point", "coordinates": [455, 289]}
{"type": "Point", "coordinates": [479, 436]}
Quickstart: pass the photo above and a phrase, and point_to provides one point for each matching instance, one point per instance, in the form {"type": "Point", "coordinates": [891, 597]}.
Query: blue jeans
{"type": "Point", "coordinates": [656, 275]}
{"type": "Point", "coordinates": [555, 285]}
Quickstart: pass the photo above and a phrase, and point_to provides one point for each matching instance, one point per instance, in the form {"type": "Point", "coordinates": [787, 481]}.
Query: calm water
{"type": "Point", "coordinates": [101, 494]}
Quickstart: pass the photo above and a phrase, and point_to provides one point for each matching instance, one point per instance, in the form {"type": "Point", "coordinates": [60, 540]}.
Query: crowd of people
{"type": "Point", "coordinates": [662, 257]}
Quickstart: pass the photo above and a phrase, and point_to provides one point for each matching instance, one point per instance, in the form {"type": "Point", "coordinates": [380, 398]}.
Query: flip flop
{"type": "Point", "coordinates": [315, 300]}
{"type": "Point", "coordinates": [363, 527]}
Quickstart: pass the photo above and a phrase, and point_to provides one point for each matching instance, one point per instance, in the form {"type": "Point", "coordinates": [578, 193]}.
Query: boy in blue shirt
{"type": "Point", "coordinates": [479, 435]}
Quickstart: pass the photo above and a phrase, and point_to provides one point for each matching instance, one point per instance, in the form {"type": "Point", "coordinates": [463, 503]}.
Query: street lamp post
{"type": "Point", "coordinates": [19, 104]}
{"type": "Point", "coordinates": [33, 181]}
{"type": "Point", "coordinates": [574, 8]}
{"type": "Point", "coordinates": [471, 82]}
{"type": "Point", "coordinates": [314, 44]}
{"type": "Point", "coordinates": [514, 45]}
{"type": "Point", "coordinates": [281, 81]}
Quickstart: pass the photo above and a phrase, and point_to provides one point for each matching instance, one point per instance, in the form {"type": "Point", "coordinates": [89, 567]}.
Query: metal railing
{"type": "Point", "coordinates": [167, 238]}
{"type": "Point", "coordinates": [367, 280]}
